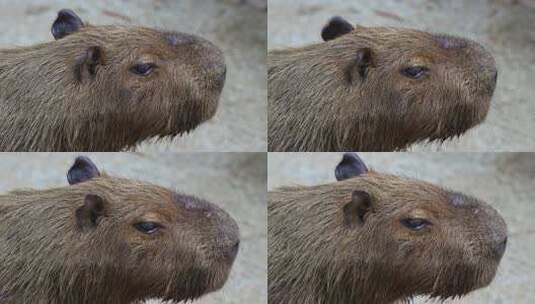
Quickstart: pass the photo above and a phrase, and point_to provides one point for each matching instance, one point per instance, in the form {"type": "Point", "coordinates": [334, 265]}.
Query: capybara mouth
{"type": "Point", "coordinates": [228, 254]}
{"type": "Point", "coordinates": [219, 78]}
{"type": "Point", "coordinates": [466, 281]}
{"type": "Point", "coordinates": [459, 119]}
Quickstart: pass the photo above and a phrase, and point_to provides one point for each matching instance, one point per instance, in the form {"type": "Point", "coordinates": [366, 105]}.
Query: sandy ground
{"type": "Point", "coordinates": [506, 29]}
{"type": "Point", "coordinates": [235, 26]}
{"type": "Point", "coordinates": [505, 180]}
{"type": "Point", "coordinates": [235, 181]}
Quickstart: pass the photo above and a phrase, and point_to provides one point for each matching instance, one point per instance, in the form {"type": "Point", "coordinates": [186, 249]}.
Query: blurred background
{"type": "Point", "coordinates": [238, 27]}
{"type": "Point", "coordinates": [234, 181]}
{"type": "Point", "coordinates": [505, 27]}
{"type": "Point", "coordinates": [504, 180]}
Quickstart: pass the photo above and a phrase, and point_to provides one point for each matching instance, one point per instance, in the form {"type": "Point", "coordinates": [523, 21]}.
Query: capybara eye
{"type": "Point", "coordinates": [143, 69]}
{"type": "Point", "coordinates": [414, 72]}
{"type": "Point", "coordinates": [415, 224]}
{"type": "Point", "coordinates": [147, 227]}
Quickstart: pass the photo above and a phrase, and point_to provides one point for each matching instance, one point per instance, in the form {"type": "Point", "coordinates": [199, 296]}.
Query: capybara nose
{"type": "Point", "coordinates": [232, 251]}
{"type": "Point", "coordinates": [489, 75]}
{"type": "Point", "coordinates": [220, 77]}
{"type": "Point", "coordinates": [499, 250]}
{"type": "Point", "coordinates": [214, 66]}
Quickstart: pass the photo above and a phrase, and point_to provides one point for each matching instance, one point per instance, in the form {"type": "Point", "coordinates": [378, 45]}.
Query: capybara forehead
{"type": "Point", "coordinates": [134, 39]}
{"type": "Point", "coordinates": [403, 193]}
{"type": "Point", "coordinates": [401, 40]}
{"type": "Point", "coordinates": [127, 191]}
{"type": "Point", "coordinates": [146, 196]}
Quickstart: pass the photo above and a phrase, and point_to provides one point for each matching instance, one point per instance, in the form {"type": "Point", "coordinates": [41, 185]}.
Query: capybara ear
{"type": "Point", "coordinates": [87, 215]}
{"type": "Point", "coordinates": [350, 166]}
{"type": "Point", "coordinates": [336, 27]}
{"type": "Point", "coordinates": [355, 210]}
{"type": "Point", "coordinates": [87, 63]}
{"type": "Point", "coordinates": [66, 23]}
{"type": "Point", "coordinates": [364, 60]}
{"type": "Point", "coordinates": [82, 170]}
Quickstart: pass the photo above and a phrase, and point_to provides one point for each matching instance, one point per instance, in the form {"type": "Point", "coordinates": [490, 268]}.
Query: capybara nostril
{"type": "Point", "coordinates": [495, 77]}
{"type": "Point", "coordinates": [232, 251]}
{"type": "Point", "coordinates": [220, 76]}
{"type": "Point", "coordinates": [500, 248]}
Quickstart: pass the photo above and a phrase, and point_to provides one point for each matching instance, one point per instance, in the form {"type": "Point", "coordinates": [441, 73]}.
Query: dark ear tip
{"type": "Point", "coordinates": [335, 27]}
{"type": "Point", "coordinates": [350, 156]}
{"type": "Point", "coordinates": [83, 160]}
{"type": "Point", "coordinates": [337, 19]}
{"type": "Point", "coordinates": [66, 12]}
{"type": "Point", "coordinates": [82, 170]}
{"type": "Point", "coordinates": [350, 166]}
{"type": "Point", "coordinates": [66, 23]}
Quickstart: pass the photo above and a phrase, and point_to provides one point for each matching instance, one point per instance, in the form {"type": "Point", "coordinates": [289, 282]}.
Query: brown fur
{"type": "Point", "coordinates": [47, 258]}
{"type": "Point", "coordinates": [49, 103]}
{"type": "Point", "coordinates": [315, 258]}
{"type": "Point", "coordinates": [318, 102]}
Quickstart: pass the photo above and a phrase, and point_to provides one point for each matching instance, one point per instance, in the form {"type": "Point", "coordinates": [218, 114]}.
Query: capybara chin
{"type": "Point", "coordinates": [376, 89]}
{"type": "Point", "coordinates": [378, 238]}
{"type": "Point", "coordinates": [113, 240]}
{"type": "Point", "coordinates": [106, 88]}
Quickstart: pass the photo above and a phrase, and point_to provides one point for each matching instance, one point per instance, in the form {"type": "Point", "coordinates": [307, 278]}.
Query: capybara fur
{"type": "Point", "coordinates": [378, 238]}
{"type": "Point", "coordinates": [106, 88]}
{"type": "Point", "coordinates": [376, 89]}
{"type": "Point", "coordinates": [106, 239]}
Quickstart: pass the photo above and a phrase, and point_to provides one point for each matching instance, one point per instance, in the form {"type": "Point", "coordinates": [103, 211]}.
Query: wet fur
{"type": "Point", "coordinates": [47, 103]}
{"type": "Point", "coordinates": [46, 257]}
{"type": "Point", "coordinates": [318, 101]}
{"type": "Point", "coordinates": [314, 258]}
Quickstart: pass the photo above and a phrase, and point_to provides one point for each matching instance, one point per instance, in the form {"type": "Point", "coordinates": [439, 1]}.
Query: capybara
{"type": "Point", "coordinates": [376, 89]}
{"type": "Point", "coordinates": [378, 238]}
{"type": "Point", "coordinates": [105, 239]}
{"type": "Point", "coordinates": [106, 88]}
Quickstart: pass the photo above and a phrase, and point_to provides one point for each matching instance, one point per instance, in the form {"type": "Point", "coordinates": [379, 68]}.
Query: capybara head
{"type": "Point", "coordinates": [378, 238]}
{"type": "Point", "coordinates": [110, 87]}
{"type": "Point", "coordinates": [112, 238]}
{"type": "Point", "coordinates": [380, 88]}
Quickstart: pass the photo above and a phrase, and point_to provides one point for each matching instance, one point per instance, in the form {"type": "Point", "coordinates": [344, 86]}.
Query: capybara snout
{"type": "Point", "coordinates": [205, 56]}
{"type": "Point", "coordinates": [477, 60]}
{"type": "Point", "coordinates": [487, 226]}
{"type": "Point", "coordinates": [224, 237]}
